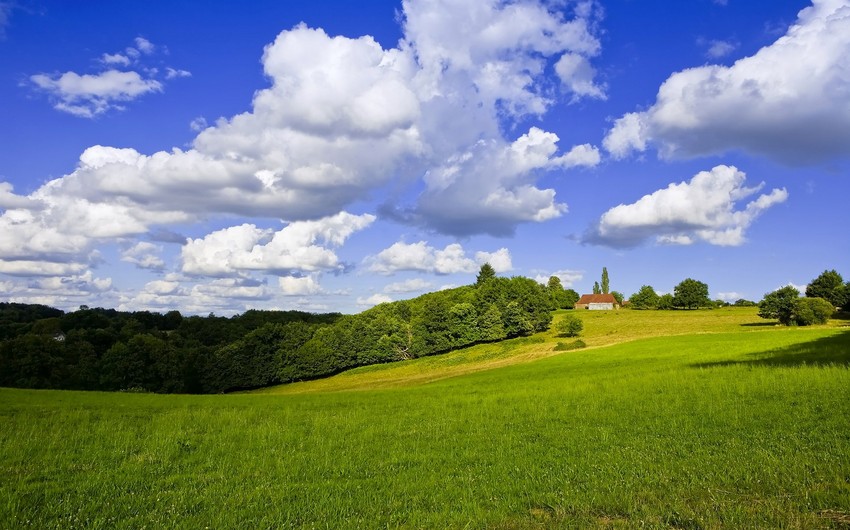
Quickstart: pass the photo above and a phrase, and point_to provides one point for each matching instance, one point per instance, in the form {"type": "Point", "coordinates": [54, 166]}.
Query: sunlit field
{"type": "Point", "coordinates": [704, 419]}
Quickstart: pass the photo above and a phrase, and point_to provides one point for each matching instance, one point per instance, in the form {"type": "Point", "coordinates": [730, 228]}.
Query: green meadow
{"type": "Point", "coordinates": [685, 419]}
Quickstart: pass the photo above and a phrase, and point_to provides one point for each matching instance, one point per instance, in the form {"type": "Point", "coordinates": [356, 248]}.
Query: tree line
{"type": "Point", "coordinates": [823, 295]}
{"type": "Point", "coordinates": [105, 349]}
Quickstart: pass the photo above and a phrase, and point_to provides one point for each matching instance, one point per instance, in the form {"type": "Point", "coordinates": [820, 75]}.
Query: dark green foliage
{"type": "Point", "coordinates": [665, 301]}
{"type": "Point", "coordinates": [571, 297]}
{"type": "Point", "coordinates": [104, 349]}
{"type": "Point", "coordinates": [691, 294]}
{"type": "Point", "coordinates": [596, 288]}
{"type": "Point", "coordinates": [568, 346]}
{"type": "Point", "coordinates": [570, 326]}
{"type": "Point", "coordinates": [645, 298]}
{"type": "Point", "coordinates": [17, 319]}
{"type": "Point", "coordinates": [561, 298]}
{"type": "Point", "coordinates": [618, 296]}
{"type": "Point", "coordinates": [829, 286]}
{"type": "Point", "coordinates": [495, 309]}
{"type": "Point", "coordinates": [605, 282]}
{"type": "Point", "coordinates": [813, 311]}
{"type": "Point", "coordinates": [786, 306]}
{"type": "Point", "coordinates": [485, 273]}
{"type": "Point", "coordinates": [490, 325]}
{"type": "Point", "coordinates": [744, 303]}
{"type": "Point", "coordinates": [780, 305]}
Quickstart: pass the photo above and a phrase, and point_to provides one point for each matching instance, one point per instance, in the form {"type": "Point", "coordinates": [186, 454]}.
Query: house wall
{"type": "Point", "coordinates": [598, 307]}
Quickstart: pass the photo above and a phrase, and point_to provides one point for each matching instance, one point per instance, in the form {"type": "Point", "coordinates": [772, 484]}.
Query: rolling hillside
{"type": "Point", "coordinates": [665, 420]}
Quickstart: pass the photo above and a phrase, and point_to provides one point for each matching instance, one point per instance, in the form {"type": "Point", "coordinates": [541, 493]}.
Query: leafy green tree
{"type": "Point", "coordinates": [780, 305]}
{"type": "Point", "coordinates": [571, 297]}
{"type": "Point", "coordinates": [813, 311]}
{"type": "Point", "coordinates": [741, 302]}
{"type": "Point", "coordinates": [645, 298]}
{"type": "Point", "coordinates": [605, 283]}
{"type": "Point", "coordinates": [516, 321]}
{"type": "Point", "coordinates": [570, 326]}
{"type": "Point", "coordinates": [464, 325]}
{"type": "Point", "coordinates": [665, 301]}
{"type": "Point", "coordinates": [618, 296]}
{"type": "Point", "coordinates": [486, 272]}
{"type": "Point", "coordinates": [596, 288]}
{"type": "Point", "coordinates": [490, 324]}
{"type": "Point", "coordinates": [829, 286]}
{"type": "Point", "coordinates": [691, 294]}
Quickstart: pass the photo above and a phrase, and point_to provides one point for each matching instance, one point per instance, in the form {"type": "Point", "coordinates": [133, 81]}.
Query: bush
{"type": "Point", "coordinates": [568, 346]}
{"type": "Point", "coordinates": [570, 326]}
{"type": "Point", "coordinates": [665, 301]}
{"type": "Point", "coordinates": [813, 311]}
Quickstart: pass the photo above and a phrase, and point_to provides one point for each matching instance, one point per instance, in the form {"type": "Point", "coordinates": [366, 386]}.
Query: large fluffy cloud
{"type": "Point", "coordinates": [702, 209]}
{"type": "Point", "coordinates": [294, 248]}
{"type": "Point", "coordinates": [343, 119]}
{"type": "Point", "coordinates": [489, 188]}
{"type": "Point", "coordinates": [422, 257]}
{"type": "Point", "coordinates": [789, 101]}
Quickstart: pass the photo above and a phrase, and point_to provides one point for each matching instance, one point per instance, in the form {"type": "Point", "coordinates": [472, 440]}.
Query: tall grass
{"type": "Point", "coordinates": [737, 430]}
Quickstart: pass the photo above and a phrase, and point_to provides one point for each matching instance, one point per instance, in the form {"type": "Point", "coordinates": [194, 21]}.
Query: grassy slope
{"type": "Point", "coordinates": [601, 328]}
{"type": "Point", "coordinates": [739, 429]}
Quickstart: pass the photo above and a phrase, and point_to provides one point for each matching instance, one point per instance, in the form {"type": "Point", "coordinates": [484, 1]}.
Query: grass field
{"type": "Point", "coordinates": [666, 420]}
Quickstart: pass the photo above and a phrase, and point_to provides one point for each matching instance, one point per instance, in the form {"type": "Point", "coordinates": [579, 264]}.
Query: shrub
{"type": "Point", "coordinates": [570, 326]}
{"type": "Point", "coordinates": [568, 346]}
{"type": "Point", "coordinates": [665, 301]}
{"type": "Point", "coordinates": [813, 311]}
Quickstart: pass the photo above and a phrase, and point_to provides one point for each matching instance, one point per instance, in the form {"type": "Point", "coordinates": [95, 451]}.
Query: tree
{"type": "Point", "coordinates": [556, 291]}
{"type": "Point", "coordinates": [691, 294]}
{"type": "Point", "coordinates": [645, 298]}
{"type": "Point", "coordinates": [516, 321]}
{"type": "Point", "coordinates": [741, 302]}
{"type": "Point", "coordinates": [490, 324]}
{"type": "Point", "coordinates": [813, 311]}
{"type": "Point", "coordinates": [618, 296]}
{"type": "Point", "coordinates": [665, 301]}
{"type": "Point", "coordinates": [570, 326]}
{"type": "Point", "coordinates": [605, 284]}
{"type": "Point", "coordinates": [485, 273]}
{"type": "Point", "coordinates": [829, 286]}
{"type": "Point", "coordinates": [571, 297]}
{"type": "Point", "coordinates": [596, 288]}
{"type": "Point", "coordinates": [781, 305]}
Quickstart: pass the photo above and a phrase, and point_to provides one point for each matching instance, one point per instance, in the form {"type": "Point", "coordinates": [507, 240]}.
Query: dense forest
{"type": "Point", "coordinates": [105, 349]}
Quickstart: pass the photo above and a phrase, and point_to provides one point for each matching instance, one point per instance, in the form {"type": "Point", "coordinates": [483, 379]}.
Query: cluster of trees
{"type": "Point", "coordinates": [604, 287]}
{"type": "Point", "coordinates": [104, 349]}
{"type": "Point", "coordinates": [561, 298]}
{"type": "Point", "coordinates": [823, 295]}
{"type": "Point", "coordinates": [493, 309]}
{"type": "Point", "coordinates": [688, 294]}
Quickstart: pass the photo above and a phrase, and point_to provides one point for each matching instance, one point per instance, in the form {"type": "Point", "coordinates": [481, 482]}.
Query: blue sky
{"type": "Point", "coordinates": [327, 156]}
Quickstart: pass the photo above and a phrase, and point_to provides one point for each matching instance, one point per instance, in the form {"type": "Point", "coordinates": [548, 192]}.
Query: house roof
{"type": "Point", "coordinates": [597, 299]}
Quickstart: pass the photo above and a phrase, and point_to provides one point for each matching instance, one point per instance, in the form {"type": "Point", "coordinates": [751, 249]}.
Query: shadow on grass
{"type": "Point", "coordinates": [771, 323]}
{"type": "Point", "coordinates": [832, 350]}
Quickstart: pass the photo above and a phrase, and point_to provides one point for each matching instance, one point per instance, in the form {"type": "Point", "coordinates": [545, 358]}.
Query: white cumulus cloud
{"type": "Point", "coordinates": [788, 101]}
{"type": "Point", "coordinates": [296, 247]}
{"type": "Point", "coordinates": [373, 300]}
{"type": "Point", "coordinates": [702, 209]}
{"type": "Point", "coordinates": [144, 255]}
{"type": "Point", "coordinates": [408, 286]}
{"type": "Point", "coordinates": [422, 257]}
{"type": "Point", "coordinates": [90, 95]}
{"type": "Point", "coordinates": [299, 285]}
